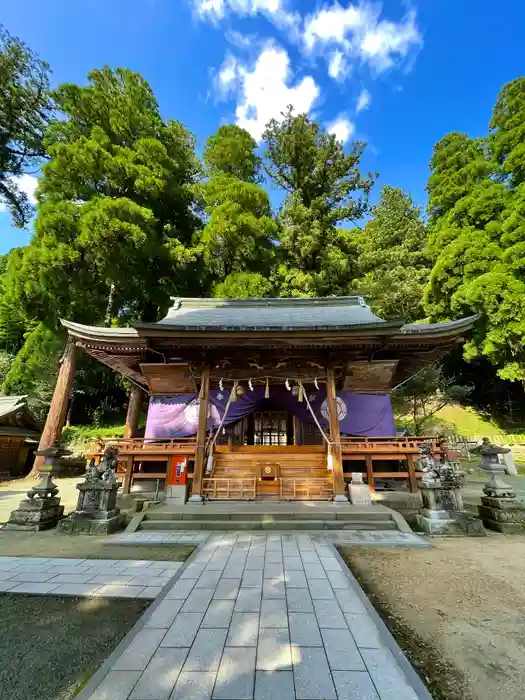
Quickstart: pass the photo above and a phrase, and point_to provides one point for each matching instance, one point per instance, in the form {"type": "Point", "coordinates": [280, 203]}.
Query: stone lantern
{"type": "Point", "coordinates": [96, 512]}
{"type": "Point", "coordinates": [41, 509]}
{"type": "Point", "coordinates": [500, 510]}
{"type": "Point", "coordinates": [442, 512]}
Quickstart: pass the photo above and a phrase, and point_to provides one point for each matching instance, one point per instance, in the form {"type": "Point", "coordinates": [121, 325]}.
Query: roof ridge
{"type": "Point", "coordinates": [213, 302]}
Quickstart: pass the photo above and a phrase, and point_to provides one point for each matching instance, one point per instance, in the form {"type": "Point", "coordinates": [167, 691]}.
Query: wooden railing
{"type": "Point", "coordinates": [307, 489]}
{"type": "Point", "coordinates": [389, 449]}
{"type": "Point", "coordinates": [222, 488]}
{"type": "Point", "coordinates": [141, 445]}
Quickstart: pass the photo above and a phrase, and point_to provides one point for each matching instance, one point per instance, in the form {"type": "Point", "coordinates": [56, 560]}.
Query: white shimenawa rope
{"type": "Point", "coordinates": [211, 445]}
{"type": "Point", "coordinates": [328, 441]}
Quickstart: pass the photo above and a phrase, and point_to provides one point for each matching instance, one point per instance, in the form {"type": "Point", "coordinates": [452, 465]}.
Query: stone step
{"type": "Point", "coordinates": [174, 525]}
{"type": "Point", "coordinates": [241, 514]}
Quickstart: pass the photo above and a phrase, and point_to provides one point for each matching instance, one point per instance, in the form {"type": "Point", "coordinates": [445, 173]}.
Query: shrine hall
{"type": "Point", "coordinates": [253, 399]}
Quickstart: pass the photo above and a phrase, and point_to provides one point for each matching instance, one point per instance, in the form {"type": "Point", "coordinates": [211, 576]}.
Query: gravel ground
{"type": "Point", "coordinates": [52, 544]}
{"type": "Point", "coordinates": [51, 646]}
{"type": "Point", "coordinates": [457, 609]}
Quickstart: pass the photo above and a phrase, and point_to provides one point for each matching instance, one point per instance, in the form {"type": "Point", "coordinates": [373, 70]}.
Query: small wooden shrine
{"type": "Point", "coordinates": [261, 398]}
{"type": "Point", "coordinates": [19, 435]}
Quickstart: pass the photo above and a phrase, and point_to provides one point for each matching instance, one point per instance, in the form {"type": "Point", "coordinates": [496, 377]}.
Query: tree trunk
{"type": "Point", "coordinates": [109, 307]}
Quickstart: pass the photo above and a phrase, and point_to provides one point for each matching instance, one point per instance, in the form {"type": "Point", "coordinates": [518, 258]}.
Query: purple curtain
{"type": "Point", "coordinates": [359, 414]}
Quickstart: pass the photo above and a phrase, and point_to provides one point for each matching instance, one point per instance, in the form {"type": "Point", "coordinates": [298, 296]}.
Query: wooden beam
{"type": "Point", "coordinates": [335, 437]}
{"type": "Point", "coordinates": [204, 400]}
{"type": "Point", "coordinates": [370, 473]}
{"type": "Point", "coordinates": [412, 479]}
{"type": "Point", "coordinates": [56, 416]}
{"type": "Point", "coordinates": [133, 414]}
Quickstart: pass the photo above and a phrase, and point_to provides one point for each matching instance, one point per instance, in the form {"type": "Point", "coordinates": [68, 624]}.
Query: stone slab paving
{"type": "Point", "coordinates": [259, 617]}
{"type": "Point", "coordinates": [363, 538]}
{"type": "Point", "coordinates": [108, 578]}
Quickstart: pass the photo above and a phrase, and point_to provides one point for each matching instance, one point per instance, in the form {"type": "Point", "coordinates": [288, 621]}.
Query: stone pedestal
{"type": "Point", "coordinates": [442, 512]}
{"type": "Point", "coordinates": [41, 510]}
{"type": "Point", "coordinates": [499, 509]}
{"type": "Point", "coordinates": [358, 491]}
{"type": "Point", "coordinates": [96, 512]}
{"type": "Point", "coordinates": [176, 495]}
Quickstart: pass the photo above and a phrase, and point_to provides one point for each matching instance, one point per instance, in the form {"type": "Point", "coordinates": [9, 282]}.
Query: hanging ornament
{"type": "Point", "coordinates": [316, 384]}
{"type": "Point", "coordinates": [267, 389]}
{"type": "Point", "coordinates": [300, 397]}
{"type": "Point", "coordinates": [240, 390]}
{"type": "Point", "coordinates": [221, 385]}
{"type": "Point", "coordinates": [287, 385]}
{"type": "Point", "coordinates": [250, 385]}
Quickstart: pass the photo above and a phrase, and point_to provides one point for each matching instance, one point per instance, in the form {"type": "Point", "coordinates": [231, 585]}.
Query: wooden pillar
{"type": "Point", "coordinates": [370, 473]}
{"type": "Point", "coordinates": [133, 415]}
{"type": "Point", "coordinates": [412, 479]}
{"type": "Point", "coordinates": [128, 475]}
{"type": "Point", "coordinates": [198, 471]}
{"type": "Point", "coordinates": [56, 416]}
{"type": "Point", "coordinates": [335, 437]}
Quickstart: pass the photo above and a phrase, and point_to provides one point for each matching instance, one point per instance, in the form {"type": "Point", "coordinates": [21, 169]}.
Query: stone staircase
{"type": "Point", "coordinates": [275, 516]}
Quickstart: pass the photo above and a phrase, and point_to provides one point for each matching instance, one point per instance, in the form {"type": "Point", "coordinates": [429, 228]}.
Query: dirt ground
{"type": "Point", "coordinates": [457, 609]}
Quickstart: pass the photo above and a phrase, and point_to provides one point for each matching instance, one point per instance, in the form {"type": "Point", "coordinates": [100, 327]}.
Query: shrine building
{"type": "Point", "coordinates": [252, 399]}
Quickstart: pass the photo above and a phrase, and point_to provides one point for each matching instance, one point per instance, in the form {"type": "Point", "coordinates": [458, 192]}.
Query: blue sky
{"type": "Point", "coordinates": [396, 75]}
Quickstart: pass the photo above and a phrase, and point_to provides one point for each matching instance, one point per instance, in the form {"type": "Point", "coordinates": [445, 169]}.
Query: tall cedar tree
{"type": "Point", "coordinates": [479, 241]}
{"type": "Point", "coordinates": [237, 242]}
{"type": "Point", "coordinates": [25, 110]}
{"type": "Point", "coordinates": [324, 190]}
{"type": "Point", "coordinates": [392, 264]}
{"type": "Point", "coordinates": [115, 222]}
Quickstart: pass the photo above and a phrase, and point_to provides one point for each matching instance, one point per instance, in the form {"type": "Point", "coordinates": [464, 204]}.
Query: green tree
{"type": "Point", "coordinates": [507, 138]}
{"type": "Point", "coordinates": [392, 264]}
{"type": "Point", "coordinates": [240, 231]}
{"type": "Point", "coordinates": [232, 151]}
{"type": "Point", "coordinates": [243, 285]}
{"type": "Point", "coordinates": [324, 190]}
{"type": "Point", "coordinates": [479, 242]}
{"type": "Point", "coordinates": [25, 110]}
{"type": "Point", "coordinates": [115, 222]}
{"type": "Point", "coordinates": [426, 393]}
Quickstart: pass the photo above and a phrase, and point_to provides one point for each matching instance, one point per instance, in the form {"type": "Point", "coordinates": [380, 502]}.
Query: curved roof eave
{"type": "Point", "coordinates": [102, 334]}
{"type": "Point", "coordinates": [444, 328]}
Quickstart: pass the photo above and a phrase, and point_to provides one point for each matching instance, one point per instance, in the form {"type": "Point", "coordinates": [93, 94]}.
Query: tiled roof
{"type": "Point", "coordinates": [270, 314]}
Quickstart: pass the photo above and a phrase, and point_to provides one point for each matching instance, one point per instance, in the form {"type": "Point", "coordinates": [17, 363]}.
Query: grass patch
{"type": "Point", "coordinates": [52, 544]}
{"type": "Point", "coordinates": [78, 438]}
{"type": "Point", "coordinates": [52, 646]}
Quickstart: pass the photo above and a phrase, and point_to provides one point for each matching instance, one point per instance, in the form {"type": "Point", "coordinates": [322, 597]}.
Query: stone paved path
{"type": "Point", "coordinates": [364, 538]}
{"type": "Point", "coordinates": [108, 578]}
{"type": "Point", "coordinates": [263, 617]}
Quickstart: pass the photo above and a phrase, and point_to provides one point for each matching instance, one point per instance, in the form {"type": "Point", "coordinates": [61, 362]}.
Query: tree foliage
{"type": "Point", "coordinates": [478, 236]}
{"type": "Point", "coordinates": [392, 264]}
{"type": "Point", "coordinates": [426, 393]}
{"type": "Point", "coordinates": [25, 110]}
{"type": "Point", "coordinates": [325, 189]}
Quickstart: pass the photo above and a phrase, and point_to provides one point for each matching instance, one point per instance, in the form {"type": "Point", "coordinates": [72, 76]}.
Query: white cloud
{"type": "Point", "coordinates": [275, 10]}
{"type": "Point", "coordinates": [265, 91]}
{"type": "Point", "coordinates": [360, 33]}
{"type": "Point", "coordinates": [228, 77]}
{"type": "Point", "coordinates": [26, 183]}
{"type": "Point", "coordinates": [342, 128]}
{"type": "Point", "coordinates": [363, 101]}
{"type": "Point", "coordinates": [337, 65]}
